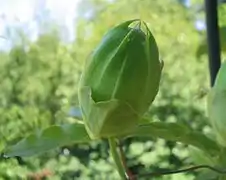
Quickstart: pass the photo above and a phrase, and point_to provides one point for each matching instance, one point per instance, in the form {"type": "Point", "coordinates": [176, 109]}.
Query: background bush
{"type": "Point", "coordinates": [39, 88]}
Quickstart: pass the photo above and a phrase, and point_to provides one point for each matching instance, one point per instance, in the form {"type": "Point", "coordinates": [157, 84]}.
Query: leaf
{"type": "Point", "coordinates": [200, 157]}
{"type": "Point", "coordinates": [208, 175]}
{"type": "Point", "coordinates": [48, 139]}
{"type": "Point", "coordinates": [176, 132]}
{"type": "Point", "coordinates": [145, 120]}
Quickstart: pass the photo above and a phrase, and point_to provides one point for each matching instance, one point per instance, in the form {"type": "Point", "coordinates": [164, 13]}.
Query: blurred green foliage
{"type": "Point", "coordinates": [39, 86]}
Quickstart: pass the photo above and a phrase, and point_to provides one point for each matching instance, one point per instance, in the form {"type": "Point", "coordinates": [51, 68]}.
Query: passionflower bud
{"type": "Point", "coordinates": [120, 80]}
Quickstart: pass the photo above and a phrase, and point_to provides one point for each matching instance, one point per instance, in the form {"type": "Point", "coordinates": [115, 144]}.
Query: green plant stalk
{"type": "Point", "coordinates": [117, 158]}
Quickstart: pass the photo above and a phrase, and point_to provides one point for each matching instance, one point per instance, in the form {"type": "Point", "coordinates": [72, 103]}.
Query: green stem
{"type": "Point", "coordinates": [117, 158]}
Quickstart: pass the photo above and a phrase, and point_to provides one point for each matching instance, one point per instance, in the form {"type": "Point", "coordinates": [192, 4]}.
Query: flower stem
{"type": "Point", "coordinates": [117, 159]}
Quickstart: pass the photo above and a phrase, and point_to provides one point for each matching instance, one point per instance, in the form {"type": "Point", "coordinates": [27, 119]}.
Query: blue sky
{"type": "Point", "coordinates": [28, 14]}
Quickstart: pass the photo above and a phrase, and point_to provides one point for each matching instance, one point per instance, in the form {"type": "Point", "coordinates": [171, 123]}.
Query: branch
{"type": "Point", "coordinates": [154, 174]}
{"type": "Point", "coordinates": [123, 158]}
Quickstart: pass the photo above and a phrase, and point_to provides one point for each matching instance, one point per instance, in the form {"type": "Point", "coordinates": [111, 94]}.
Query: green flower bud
{"type": "Point", "coordinates": [120, 81]}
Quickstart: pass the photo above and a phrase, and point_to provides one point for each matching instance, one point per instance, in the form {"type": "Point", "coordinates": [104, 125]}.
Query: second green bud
{"type": "Point", "coordinates": [120, 80]}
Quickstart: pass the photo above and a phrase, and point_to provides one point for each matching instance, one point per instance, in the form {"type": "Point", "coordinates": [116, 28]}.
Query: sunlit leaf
{"type": "Point", "coordinates": [177, 132]}
{"type": "Point", "coordinates": [48, 139]}
{"type": "Point", "coordinates": [200, 157]}
{"type": "Point", "coordinates": [207, 174]}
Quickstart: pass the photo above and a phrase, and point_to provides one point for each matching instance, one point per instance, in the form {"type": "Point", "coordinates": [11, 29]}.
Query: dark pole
{"type": "Point", "coordinates": [213, 39]}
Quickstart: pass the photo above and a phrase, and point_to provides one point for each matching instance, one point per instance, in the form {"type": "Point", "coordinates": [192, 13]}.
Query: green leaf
{"type": "Point", "coordinates": [145, 120]}
{"type": "Point", "coordinates": [200, 157]}
{"type": "Point", "coordinates": [177, 132]}
{"type": "Point", "coordinates": [207, 174]}
{"type": "Point", "coordinates": [48, 139]}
